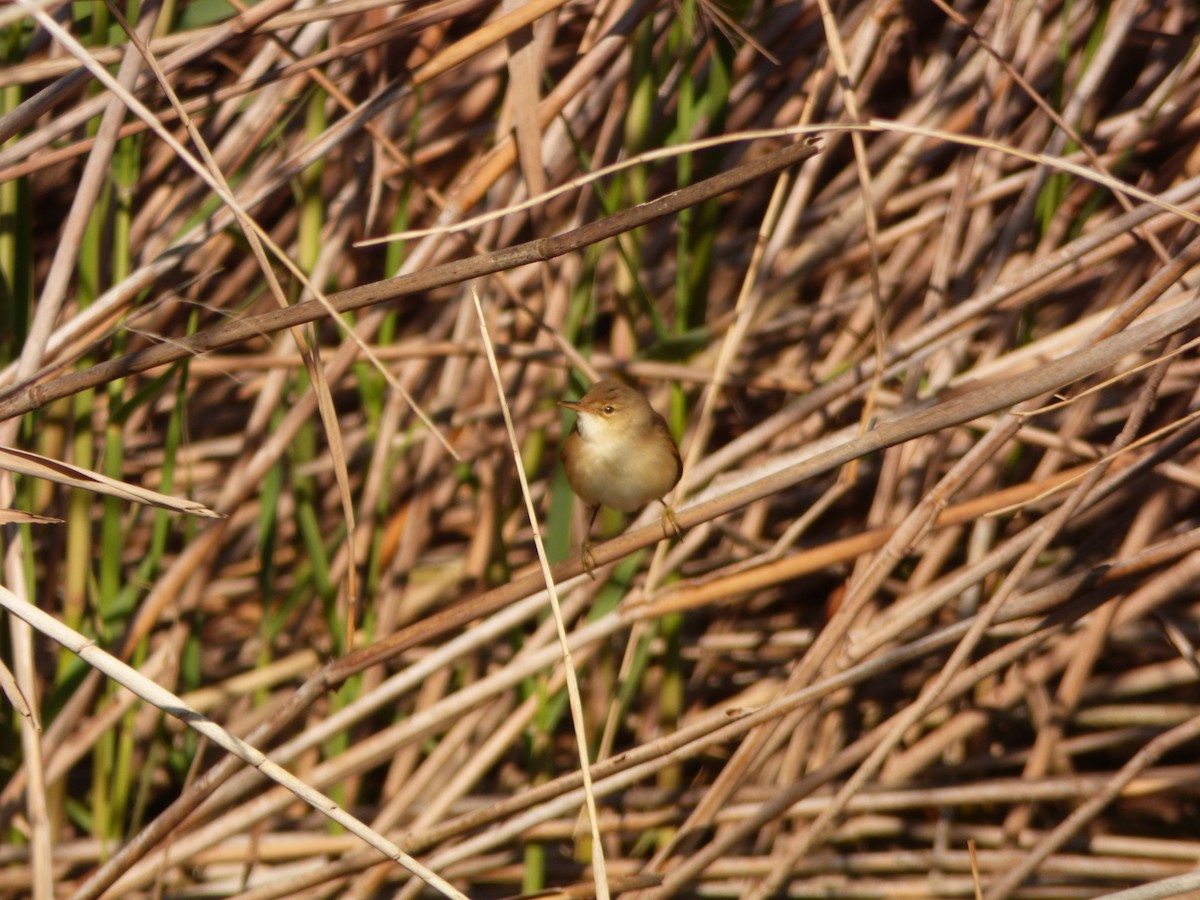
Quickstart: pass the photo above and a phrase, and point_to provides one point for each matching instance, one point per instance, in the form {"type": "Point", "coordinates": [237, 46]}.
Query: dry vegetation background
{"type": "Point", "coordinates": [903, 624]}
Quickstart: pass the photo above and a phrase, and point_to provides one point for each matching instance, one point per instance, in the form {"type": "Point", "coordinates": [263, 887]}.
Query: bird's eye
{"type": "Point", "coordinates": [608, 410]}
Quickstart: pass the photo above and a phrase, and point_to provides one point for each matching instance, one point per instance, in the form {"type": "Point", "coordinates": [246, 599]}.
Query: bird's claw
{"type": "Point", "coordinates": [588, 559]}
{"type": "Point", "coordinates": [668, 518]}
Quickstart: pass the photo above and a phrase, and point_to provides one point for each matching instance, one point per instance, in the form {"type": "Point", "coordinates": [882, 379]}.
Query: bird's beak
{"type": "Point", "coordinates": [571, 404]}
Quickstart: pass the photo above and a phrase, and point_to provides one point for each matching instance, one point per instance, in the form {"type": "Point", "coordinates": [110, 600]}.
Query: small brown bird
{"type": "Point", "coordinates": [619, 454]}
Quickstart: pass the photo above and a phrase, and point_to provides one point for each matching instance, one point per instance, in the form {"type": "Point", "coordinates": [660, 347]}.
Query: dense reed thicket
{"type": "Point", "coordinates": [922, 319]}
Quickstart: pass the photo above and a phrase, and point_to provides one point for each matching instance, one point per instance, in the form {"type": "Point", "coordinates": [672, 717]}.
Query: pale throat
{"type": "Point", "coordinates": [598, 432]}
{"type": "Point", "coordinates": [607, 444]}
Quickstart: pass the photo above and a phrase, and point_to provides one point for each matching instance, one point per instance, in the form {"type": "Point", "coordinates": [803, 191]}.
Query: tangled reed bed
{"type": "Point", "coordinates": [930, 628]}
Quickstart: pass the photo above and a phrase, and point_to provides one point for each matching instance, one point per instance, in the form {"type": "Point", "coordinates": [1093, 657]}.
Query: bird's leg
{"type": "Point", "coordinates": [668, 518]}
{"type": "Point", "coordinates": [586, 557]}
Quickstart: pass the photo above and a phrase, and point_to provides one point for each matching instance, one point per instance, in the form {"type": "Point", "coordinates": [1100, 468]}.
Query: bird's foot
{"type": "Point", "coordinates": [668, 518]}
{"type": "Point", "coordinates": [588, 559]}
